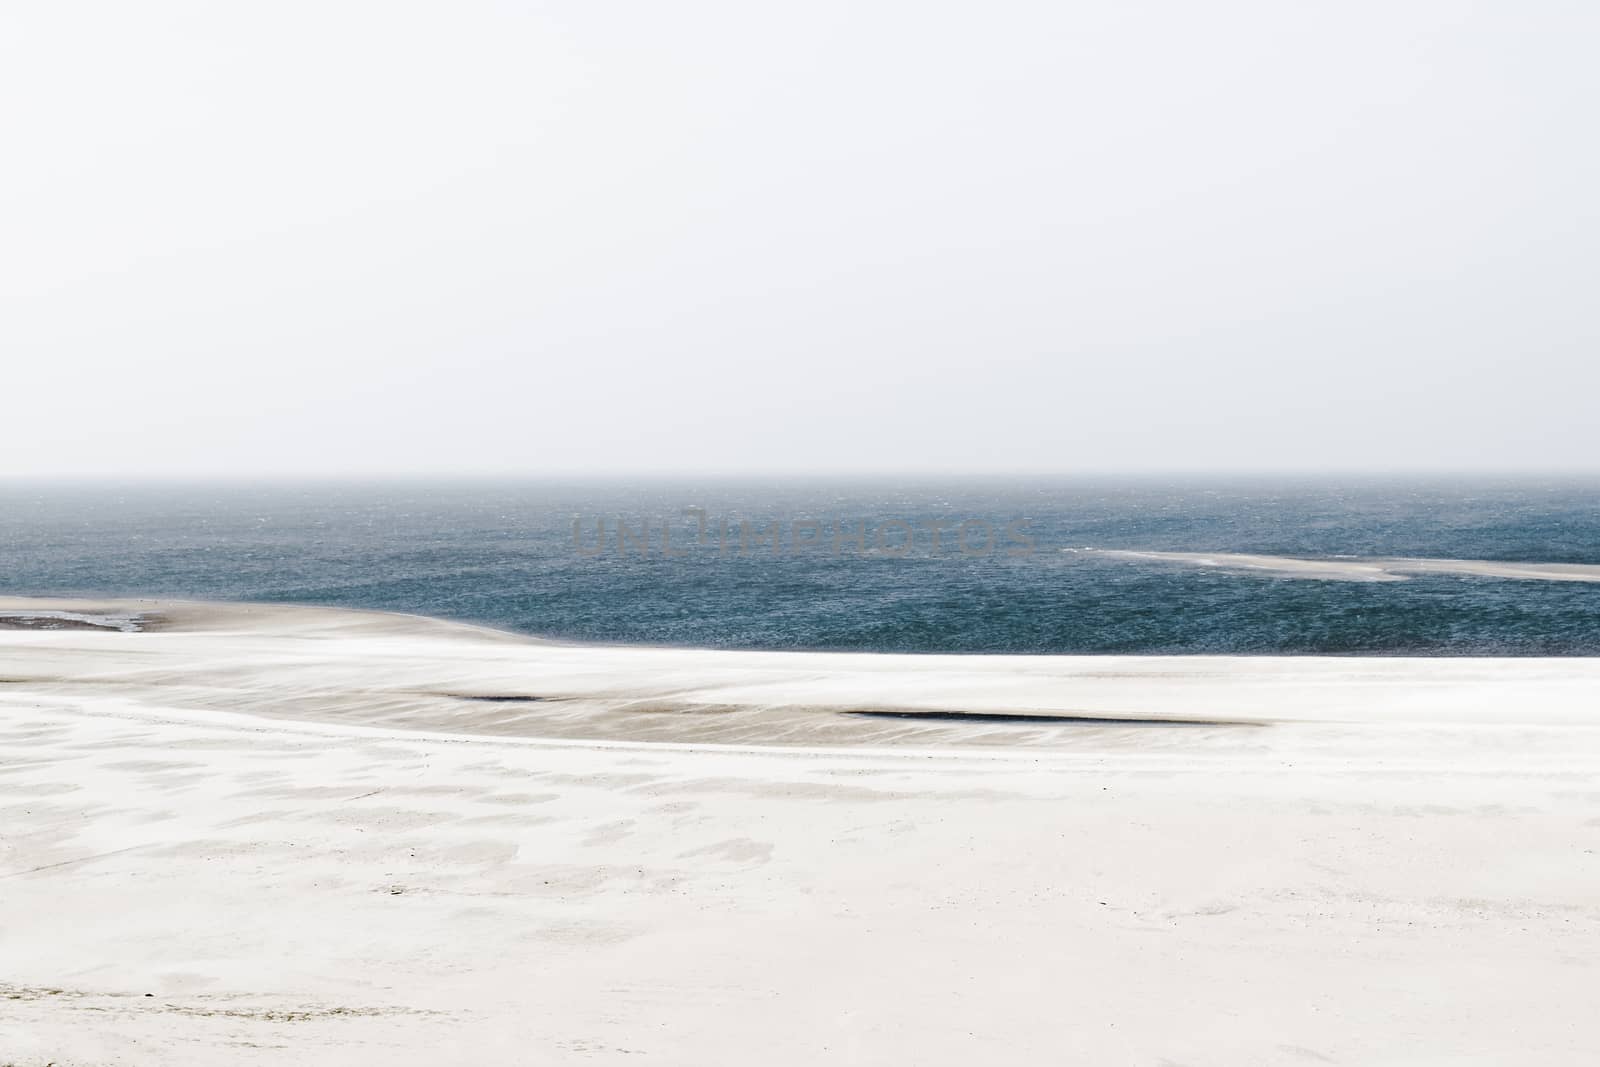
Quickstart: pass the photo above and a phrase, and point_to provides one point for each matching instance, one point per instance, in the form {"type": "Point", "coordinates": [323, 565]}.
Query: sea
{"type": "Point", "coordinates": [910, 565]}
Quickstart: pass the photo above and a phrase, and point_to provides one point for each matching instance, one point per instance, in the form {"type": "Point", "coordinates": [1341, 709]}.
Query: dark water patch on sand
{"type": "Point", "coordinates": [108, 622]}
{"type": "Point", "coordinates": [1025, 719]}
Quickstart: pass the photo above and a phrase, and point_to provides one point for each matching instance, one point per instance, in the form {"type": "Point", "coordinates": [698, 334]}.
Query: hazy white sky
{"type": "Point", "coordinates": [350, 238]}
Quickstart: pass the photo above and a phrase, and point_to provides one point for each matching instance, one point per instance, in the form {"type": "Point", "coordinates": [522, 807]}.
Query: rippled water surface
{"type": "Point", "coordinates": [505, 554]}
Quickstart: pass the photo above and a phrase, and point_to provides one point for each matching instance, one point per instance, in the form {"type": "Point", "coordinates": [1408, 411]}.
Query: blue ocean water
{"type": "Point", "coordinates": [505, 555]}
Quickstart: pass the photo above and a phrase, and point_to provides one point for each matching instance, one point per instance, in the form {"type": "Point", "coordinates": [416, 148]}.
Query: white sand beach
{"type": "Point", "coordinates": [252, 834]}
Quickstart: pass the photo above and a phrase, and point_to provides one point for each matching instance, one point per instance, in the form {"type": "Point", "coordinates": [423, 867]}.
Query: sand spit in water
{"type": "Point", "coordinates": [1351, 569]}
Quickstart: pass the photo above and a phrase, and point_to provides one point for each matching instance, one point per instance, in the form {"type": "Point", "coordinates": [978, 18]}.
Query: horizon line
{"type": "Point", "coordinates": [787, 475]}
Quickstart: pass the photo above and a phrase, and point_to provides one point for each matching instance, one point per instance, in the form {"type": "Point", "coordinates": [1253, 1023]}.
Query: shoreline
{"type": "Point", "coordinates": [415, 672]}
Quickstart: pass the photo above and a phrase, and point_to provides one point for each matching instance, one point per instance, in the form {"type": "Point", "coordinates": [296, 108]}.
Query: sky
{"type": "Point", "coordinates": [342, 238]}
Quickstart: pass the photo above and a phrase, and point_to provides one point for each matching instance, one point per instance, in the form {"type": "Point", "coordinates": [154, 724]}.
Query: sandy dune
{"type": "Point", "coordinates": [272, 835]}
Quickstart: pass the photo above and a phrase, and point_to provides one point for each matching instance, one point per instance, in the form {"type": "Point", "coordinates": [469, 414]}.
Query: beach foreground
{"type": "Point", "coordinates": [255, 834]}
